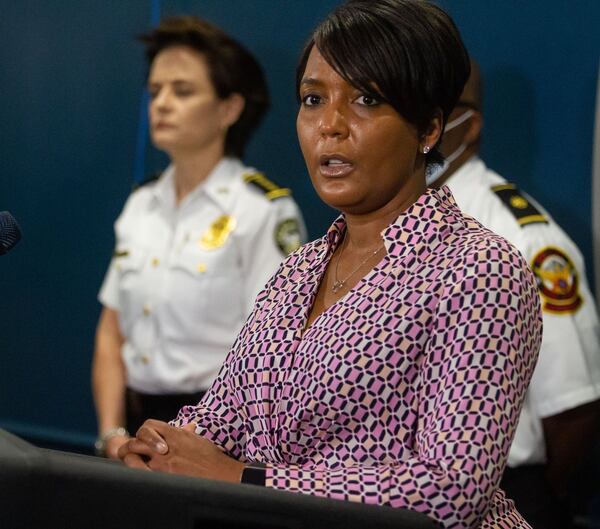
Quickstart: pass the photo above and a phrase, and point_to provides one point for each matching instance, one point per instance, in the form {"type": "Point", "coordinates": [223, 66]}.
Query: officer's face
{"type": "Point", "coordinates": [362, 155]}
{"type": "Point", "coordinates": [185, 113]}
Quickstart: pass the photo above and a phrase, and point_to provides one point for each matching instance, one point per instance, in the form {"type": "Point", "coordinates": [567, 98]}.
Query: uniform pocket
{"type": "Point", "coordinates": [129, 264]}
{"type": "Point", "coordinates": [206, 289]}
{"type": "Point", "coordinates": [207, 264]}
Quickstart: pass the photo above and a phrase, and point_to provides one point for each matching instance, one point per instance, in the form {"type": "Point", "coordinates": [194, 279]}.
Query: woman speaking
{"type": "Point", "coordinates": [385, 362]}
{"type": "Point", "coordinates": [194, 247]}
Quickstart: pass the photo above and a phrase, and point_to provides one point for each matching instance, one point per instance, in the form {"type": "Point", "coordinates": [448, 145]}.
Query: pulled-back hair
{"type": "Point", "coordinates": [232, 70]}
{"type": "Point", "coordinates": [409, 53]}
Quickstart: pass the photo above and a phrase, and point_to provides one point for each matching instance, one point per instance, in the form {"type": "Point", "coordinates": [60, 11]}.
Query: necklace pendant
{"type": "Point", "coordinates": [337, 286]}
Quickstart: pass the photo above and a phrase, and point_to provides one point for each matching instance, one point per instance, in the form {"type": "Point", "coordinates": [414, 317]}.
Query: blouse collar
{"type": "Point", "coordinates": [425, 221]}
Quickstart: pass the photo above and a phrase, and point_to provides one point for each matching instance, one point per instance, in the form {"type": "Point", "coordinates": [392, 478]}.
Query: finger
{"type": "Point", "coordinates": [153, 438]}
{"type": "Point", "coordinates": [134, 461]}
{"type": "Point", "coordinates": [123, 450]}
{"type": "Point", "coordinates": [113, 445]}
{"type": "Point", "coordinates": [160, 426]}
{"type": "Point", "coordinates": [141, 448]}
{"type": "Point", "coordinates": [161, 464]}
{"type": "Point", "coordinates": [190, 427]}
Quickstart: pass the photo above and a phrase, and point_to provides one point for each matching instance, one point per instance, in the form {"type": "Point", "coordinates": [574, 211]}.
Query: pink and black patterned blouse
{"type": "Point", "coordinates": [406, 392]}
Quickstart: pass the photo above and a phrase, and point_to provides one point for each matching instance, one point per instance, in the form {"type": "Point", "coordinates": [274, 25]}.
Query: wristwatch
{"type": "Point", "coordinates": [254, 473]}
{"type": "Point", "coordinates": [100, 444]}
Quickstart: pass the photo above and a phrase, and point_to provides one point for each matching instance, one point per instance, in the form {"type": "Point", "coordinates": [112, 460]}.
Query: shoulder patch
{"type": "Point", "coordinates": [152, 178]}
{"type": "Point", "coordinates": [271, 190]}
{"type": "Point", "coordinates": [523, 210]}
{"type": "Point", "coordinates": [558, 281]}
{"type": "Point", "coordinates": [287, 236]}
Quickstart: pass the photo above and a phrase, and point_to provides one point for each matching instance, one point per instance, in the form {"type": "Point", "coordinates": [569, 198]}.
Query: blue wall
{"type": "Point", "coordinates": [71, 78]}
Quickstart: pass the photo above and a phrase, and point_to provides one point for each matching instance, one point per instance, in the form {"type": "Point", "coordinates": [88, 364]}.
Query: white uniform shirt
{"type": "Point", "coordinates": [568, 371]}
{"type": "Point", "coordinates": [183, 278]}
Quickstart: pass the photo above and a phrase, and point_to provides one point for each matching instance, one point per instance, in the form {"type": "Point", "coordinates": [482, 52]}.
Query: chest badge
{"type": "Point", "coordinates": [216, 236]}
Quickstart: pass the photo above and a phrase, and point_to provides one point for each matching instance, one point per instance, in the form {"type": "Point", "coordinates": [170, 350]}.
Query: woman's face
{"type": "Point", "coordinates": [185, 112]}
{"type": "Point", "coordinates": [361, 154]}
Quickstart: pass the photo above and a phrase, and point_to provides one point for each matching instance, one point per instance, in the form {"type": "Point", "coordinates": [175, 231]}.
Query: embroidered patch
{"type": "Point", "coordinates": [523, 210]}
{"type": "Point", "coordinates": [557, 281]}
{"type": "Point", "coordinates": [216, 236]}
{"type": "Point", "coordinates": [287, 236]}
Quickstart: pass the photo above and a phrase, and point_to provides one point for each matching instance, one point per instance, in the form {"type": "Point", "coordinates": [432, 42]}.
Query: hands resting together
{"type": "Point", "coordinates": [159, 446]}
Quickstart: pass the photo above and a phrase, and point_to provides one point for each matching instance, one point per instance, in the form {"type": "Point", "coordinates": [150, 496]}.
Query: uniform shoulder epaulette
{"type": "Point", "coordinates": [523, 210]}
{"type": "Point", "coordinates": [152, 178]}
{"type": "Point", "coordinates": [271, 190]}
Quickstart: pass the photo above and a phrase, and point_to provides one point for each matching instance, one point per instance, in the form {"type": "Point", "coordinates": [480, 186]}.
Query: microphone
{"type": "Point", "coordinates": [10, 233]}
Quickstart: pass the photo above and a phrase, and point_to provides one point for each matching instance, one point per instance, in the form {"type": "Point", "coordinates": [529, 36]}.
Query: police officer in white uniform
{"type": "Point", "coordinates": [561, 407]}
{"type": "Point", "coordinates": [194, 247]}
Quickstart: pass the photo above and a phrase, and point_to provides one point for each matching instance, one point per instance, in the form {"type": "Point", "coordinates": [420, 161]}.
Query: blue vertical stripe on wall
{"type": "Point", "coordinates": [142, 135]}
{"type": "Point", "coordinates": [142, 140]}
{"type": "Point", "coordinates": [596, 194]}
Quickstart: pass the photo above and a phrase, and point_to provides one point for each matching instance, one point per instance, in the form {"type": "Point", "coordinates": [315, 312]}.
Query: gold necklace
{"type": "Point", "coordinates": [338, 284]}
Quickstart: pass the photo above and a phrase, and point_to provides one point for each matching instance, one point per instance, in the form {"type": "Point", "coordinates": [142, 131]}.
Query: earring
{"type": "Point", "coordinates": [426, 149]}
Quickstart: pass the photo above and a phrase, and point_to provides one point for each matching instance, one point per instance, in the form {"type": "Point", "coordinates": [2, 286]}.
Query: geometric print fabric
{"type": "Point", "coordinates": [407, 391]}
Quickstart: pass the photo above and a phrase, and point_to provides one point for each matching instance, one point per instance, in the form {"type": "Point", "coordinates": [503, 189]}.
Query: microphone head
{"type": "Point", "coordinates": [10, 233]}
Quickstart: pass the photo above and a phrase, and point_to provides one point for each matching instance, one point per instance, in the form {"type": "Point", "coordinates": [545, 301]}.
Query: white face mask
{"type": "Point", "coordinates": [434, 173]}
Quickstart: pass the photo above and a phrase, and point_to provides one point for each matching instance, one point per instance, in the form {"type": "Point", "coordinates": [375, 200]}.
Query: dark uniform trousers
{"type": "Point", "coordinates": [142, 406]}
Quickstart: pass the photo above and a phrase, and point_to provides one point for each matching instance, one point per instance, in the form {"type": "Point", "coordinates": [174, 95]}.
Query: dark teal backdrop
{"type": "Point", "coordinates": [71, 78]}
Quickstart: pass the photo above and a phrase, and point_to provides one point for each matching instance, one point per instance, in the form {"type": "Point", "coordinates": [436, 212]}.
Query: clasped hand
{"type": "Point", "coordinates": [159, 446]}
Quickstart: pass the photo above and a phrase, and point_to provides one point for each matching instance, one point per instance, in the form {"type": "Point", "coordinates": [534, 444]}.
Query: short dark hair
{"type": "Point", "coordinates": [232, 68]}
{"type": "Point", "coordinates": [407, 52]}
